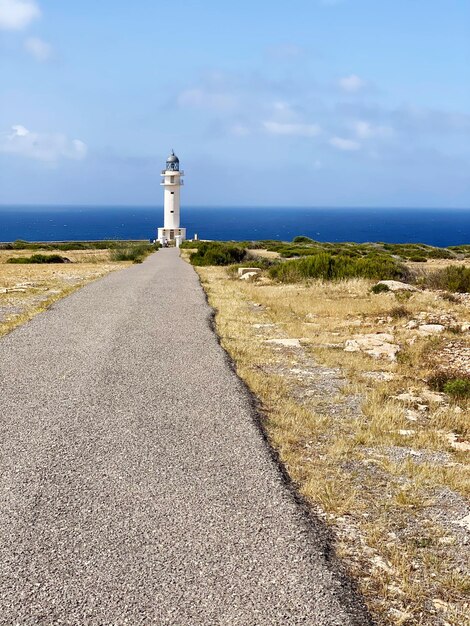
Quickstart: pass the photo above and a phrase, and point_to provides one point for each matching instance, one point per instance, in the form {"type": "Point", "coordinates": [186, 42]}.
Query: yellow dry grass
{"type": "Point", "coordinates": [380, 470]}
{"type": "Point", "coordinates": [26, 290]}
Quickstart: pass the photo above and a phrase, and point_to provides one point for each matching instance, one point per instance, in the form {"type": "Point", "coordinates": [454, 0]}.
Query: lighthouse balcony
{"type": "Point", "coordinates": [172, 173]}
{"type": "Point", "coordinates": [166, 183]}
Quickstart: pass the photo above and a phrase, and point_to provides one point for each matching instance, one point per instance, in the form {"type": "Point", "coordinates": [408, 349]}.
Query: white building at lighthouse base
{"type": "Point", "coordinates": [170, 234]}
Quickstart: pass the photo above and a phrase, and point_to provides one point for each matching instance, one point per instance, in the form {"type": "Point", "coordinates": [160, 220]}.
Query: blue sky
{"type": "Point", "coordinates": [312, 103]}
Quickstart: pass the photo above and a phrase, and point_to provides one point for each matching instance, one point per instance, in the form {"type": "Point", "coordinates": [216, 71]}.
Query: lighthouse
{"type": "Point", "coordinates": [172, 180]}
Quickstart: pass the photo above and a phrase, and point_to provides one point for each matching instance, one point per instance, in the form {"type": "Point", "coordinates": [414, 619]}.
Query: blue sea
{"type": "Point", "coordinates": [439, 227]}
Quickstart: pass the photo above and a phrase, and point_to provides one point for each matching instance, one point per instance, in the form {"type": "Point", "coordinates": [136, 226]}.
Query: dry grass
{"type": "Point", "coordinates": [392, 497]}
{"type": "Point", "coordinates": [26, 290]}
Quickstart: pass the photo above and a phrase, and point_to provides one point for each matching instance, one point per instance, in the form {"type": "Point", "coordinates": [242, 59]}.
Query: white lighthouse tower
{"type": "Point", "coordinates": [171, 183]}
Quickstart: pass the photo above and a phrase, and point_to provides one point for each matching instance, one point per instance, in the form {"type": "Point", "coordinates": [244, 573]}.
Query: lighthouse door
{"type": "Point", "coordinates": [172, 234]}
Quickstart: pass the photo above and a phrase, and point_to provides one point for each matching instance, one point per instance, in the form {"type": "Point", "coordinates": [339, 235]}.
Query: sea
{"type": "Point", "coordinates": [437, 227]}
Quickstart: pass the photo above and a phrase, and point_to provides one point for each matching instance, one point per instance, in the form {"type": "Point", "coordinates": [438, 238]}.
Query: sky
{"type": "Point", "coordinates": [268, 103]}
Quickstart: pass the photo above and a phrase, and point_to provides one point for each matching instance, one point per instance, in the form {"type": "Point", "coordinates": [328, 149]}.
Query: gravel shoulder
{"type": "Point", "coordinates": [136, 487]}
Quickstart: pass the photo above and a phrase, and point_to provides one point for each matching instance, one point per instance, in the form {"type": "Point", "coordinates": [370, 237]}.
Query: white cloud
{"type": "Point", "coordinates": [366, 130]}
{"type": "Point", "coordinates": [17, 14]}
{"type": "Point", "coordinates": [39, 49]}
{"type": "Point", "coordinates": [47, 147]}
{"type": "Point", "coordinates": [299, 130]}
{"type": "Point", "coordinates": [352, 83]}
{"type": "Point", "coordinates": [345, 144]}
{"type": "Point", "coordinates": [202, 98]}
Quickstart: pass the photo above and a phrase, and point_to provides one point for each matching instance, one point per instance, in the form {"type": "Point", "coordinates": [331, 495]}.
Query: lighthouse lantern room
{"type": "Point", "coordinates": [172, 180]}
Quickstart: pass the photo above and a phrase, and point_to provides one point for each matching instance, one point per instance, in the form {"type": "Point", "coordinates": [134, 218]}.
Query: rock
{"type": "Point", "coordinates": [464, 522]}
{"type": "Point", "coordinates": [263, 325]}
{"type": "Point", "coordinates": [440, 605]}
{"type": "Point", "coordinates": [377, 345]}
{"type": "Point", "coordinates": [412, 416]}
{"type": "Point", "coordinates": [465, 327]}
{"type": "Point", "coordinates": [396, 285]}
{"type": "Point", "coordinates": [248, 270]}
{"type": "Point", "coordinates": [385, 376]}
{"type": "Point", "coordinates": [379, 563]}
{"type": "Point", "coordinates": [249, 275]}
{"type": "Point", "coordinates": [432, 396]}
{"type": "Point", "coordinates": [412, 324]}
{"type": "Point", "coordinates": [400, 617]}
{"type": "Point", "coordinates": [431, 329]}
{"type": "Point", "coordinates": [458, 443]}
{"type": "Point", "coordinates": [408, 398]}
{"type": "Point", "coordinates": [406, 433]}
{"type": "Point", "coordinates": [286, 343]}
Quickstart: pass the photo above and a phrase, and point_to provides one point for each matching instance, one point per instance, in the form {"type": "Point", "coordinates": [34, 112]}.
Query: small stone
{"type": "Point", "coordinates": [432, 396]}
{"type": "Point", "coordinates": [440, 605]}
{"type": "Point", "coordinates": [286, 343]}
{"type": "Point", "coordinates": [412, 416]}
{"type": "Point", "coordinates": [379, 563]}
{"type": "Point", "coordinates": [378, 345]}
{"type": "Point", "coordinates": [412, 324]}
{"type": "Point", "coordinates": [464, 522]}
{"type": "Point", "coordinates": [447, 541]}
{"type": "Point", "coordinates": [249, 275]}
{"type": "Point", "coordinates": [431, 329]}
{"type": "Point", "coordinates": [408, 398]}
{"type": "Point", "coordinates": [245, 270]}
{"type": "Point", "coordinates": [396, 285]}
{"type": "Point", "coordinates": [406, 433]}
{"type": "Point", "coordinates": [457, 443]}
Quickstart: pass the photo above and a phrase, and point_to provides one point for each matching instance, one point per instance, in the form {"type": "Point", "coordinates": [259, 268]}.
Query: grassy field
{"type": "Point", "coordinates": [371, 443]}
{"type": "Point", "coordinates": [28, 289]}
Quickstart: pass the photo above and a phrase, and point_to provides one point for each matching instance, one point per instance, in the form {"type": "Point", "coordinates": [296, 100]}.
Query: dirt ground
{"type": "Point", "coordinates": [381, 456]}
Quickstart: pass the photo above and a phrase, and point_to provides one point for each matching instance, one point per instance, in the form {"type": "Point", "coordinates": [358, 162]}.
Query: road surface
{"type": "Point", "coordinates": [136, 488]}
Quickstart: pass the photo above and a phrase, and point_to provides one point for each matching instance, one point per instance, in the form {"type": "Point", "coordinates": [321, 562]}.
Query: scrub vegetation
{"type": "Point", "coordinates": [378, 446]}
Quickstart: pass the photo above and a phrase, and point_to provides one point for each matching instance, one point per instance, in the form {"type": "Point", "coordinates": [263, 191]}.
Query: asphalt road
{"type": "Point", "coordinates": [135, 485]}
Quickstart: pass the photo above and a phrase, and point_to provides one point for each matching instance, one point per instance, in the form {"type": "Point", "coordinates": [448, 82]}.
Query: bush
{"type": "Point", "coordinates": [188, 244]}
{"type": "Point", "coordinates": [399, 311]}
{"type": "Point", "coordinates": [216, 253]}
{"type": "Point", "coordinates": [134, 253]}
{"type": "Point", "coordinates": [40, 258]}
{"type": "Point", "coordinates": [459, 388]}
{"type": "Point", "coordinates": [380, 288]}
{"type": "Point", "coordinates": [417, 259]}
{"type": "Point", "coordinates": [453, 382]}
{"type": "Point", "coordinates": [328, 267]}
{"type": "Point", "coordinates": [453, 279]}
{"type": "Point", "coordinates": [302, 239]}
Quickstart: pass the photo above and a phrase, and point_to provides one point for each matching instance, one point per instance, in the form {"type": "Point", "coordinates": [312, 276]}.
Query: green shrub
{"type": "Point", "coordinates": [40, 258]}
{"type": "Point", "coordinates": [302, 239]}
{"type": "Point", "coordinates": [440, 253]}
{"type": "Point", "coordinates": [329, 267]}
{"type": "Point", "coordinates": [188, 244]}
{"type": "Point", "coordinates": [380, 288]}
{"type": "Point", "coordinates": [453, 279]}
{"type": "Point", "coordinates": [416, 258]}
{"type": "Point", "coordinates": [217, 253]}
{"type": "Point", "coordinates": [135, 253]}
{"type": "Point", "coordinates": [459, 388]}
